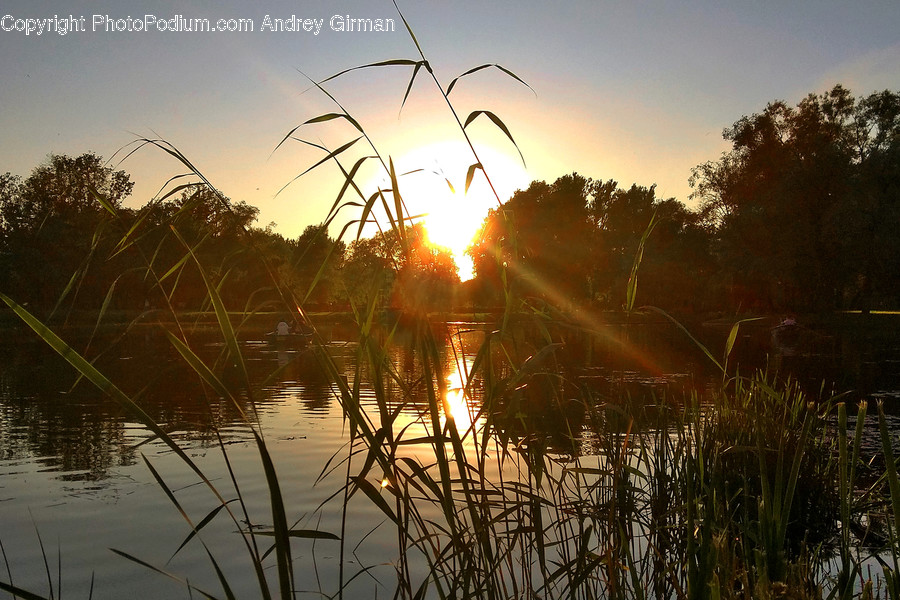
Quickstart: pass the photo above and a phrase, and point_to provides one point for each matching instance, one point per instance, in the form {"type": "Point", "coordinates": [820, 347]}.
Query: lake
{"type": "Point", "coordinates": [74, 479]}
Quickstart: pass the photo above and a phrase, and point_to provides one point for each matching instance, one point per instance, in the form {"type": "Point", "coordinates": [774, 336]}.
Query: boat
{"type": "Point", "coordinates": [787, 337]}
{"type": "Point", "coordinates": [284, 336]}
{"type": "Point", "coordinates": [290, 339]}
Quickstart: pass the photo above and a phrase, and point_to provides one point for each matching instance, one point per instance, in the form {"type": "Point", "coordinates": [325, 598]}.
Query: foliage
{"type": "Point", "coordinates": [812, 190]}
{"type": "Point", "coordinates": [52, 229]}
{"type": "Point", "coordinates": [421, 278]}
{"type": "Point", "coordinates": [574, 242]}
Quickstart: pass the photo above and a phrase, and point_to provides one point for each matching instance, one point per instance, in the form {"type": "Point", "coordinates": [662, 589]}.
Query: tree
{"type": "Point", "coordinates": [62, 187]}
{"type": "Point", "coordinates": [573, 243]}
{"type": "Point", "coordinates": [218, 231]}
{"type": "Point", "coordinates": [796, 205]}
{"type": "Point", "coordinates": [410, 275]}
{"type": "Point", "coordinates": [316, 259]}
{"type": "Point", "coordinates": [676, 259]}
{"type": "Point", "coordinates": [543, 237]}
{"type": "Point", "coordinates": [620, 218]}
{"type": "Point", "coordinates": [53, 228]}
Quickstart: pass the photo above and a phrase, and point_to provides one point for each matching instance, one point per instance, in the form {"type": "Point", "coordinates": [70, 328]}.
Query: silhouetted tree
{"type": "Point", "coordinates": [573, 243]}
{"type": "Point", "coordinates": [55, 238]}
{"type": "Point", "coordinates": [412, 276]}
{"type": "Point", "coordinates": [315, 265]}
{"type": "Point", "coordinates": [802, 202]}
{"type": "Point", "coordinates": [544, 237]}
{"type": "Point", "coordinates": [676, 261]}
{"type": "Point", "coordinates": [217, 232]}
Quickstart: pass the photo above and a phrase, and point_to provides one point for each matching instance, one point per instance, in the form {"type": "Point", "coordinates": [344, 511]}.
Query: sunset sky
{"type": "Point", "coordinates": [634, 91]}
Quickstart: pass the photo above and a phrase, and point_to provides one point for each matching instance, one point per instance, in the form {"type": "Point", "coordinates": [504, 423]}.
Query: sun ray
{"type": "Point", "coordinates": [434, 185]}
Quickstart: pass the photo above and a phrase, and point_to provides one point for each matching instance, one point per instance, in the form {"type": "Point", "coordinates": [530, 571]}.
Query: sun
{"type": "Point", "coordinates": [433, 185]}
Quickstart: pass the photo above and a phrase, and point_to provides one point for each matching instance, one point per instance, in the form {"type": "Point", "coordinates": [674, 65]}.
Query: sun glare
{"type": "Point", "coordinates": [435, 186]}
{"type": "Point", "coordinates": [456, 405]}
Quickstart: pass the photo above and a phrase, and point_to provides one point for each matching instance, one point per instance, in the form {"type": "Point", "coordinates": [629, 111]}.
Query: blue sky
{"type": "Point", "coordinates": [634, 91]}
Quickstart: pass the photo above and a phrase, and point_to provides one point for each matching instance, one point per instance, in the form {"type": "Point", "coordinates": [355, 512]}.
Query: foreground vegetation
{"type": "Point", "coordinates": [556, 490]}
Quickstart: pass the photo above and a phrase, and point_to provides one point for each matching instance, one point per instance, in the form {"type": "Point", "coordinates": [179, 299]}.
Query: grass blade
{"type": "Point", "coordinates": [499, 123]}
{"type": "Point", "coordinates": [488, 66]}
{"type": "Point", "coordinates": [279, 522]}
{"type": "Point", "coordinates": [631, 292]}
{"type": "Point", "coordinates": [91, 373]}
{"type": "Point", "coordinates": [471, 173]}
{"type": "Point", "coordinates": [379, 501]}
{"type": "Point", "coordinates": [18, 592]}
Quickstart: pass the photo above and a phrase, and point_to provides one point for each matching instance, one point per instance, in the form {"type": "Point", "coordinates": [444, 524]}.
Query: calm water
{"type": "Point", "coordinates": [73, 476]}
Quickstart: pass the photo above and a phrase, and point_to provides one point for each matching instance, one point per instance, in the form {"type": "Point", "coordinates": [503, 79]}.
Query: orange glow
{"type": "Point", "coordinates": [456, 405]}
{"type": "Point", "coordinates": [434, 186]}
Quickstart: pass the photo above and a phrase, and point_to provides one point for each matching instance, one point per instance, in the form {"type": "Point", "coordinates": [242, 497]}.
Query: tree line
{"type": "Point", "coordinates": [802, 213]}
{"type": "Point", "coordinates": [68, 242]}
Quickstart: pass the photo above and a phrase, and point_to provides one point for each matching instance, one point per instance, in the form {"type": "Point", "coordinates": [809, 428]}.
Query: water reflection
{"type": "Point", "coordinates": [63, 446]}
{"type": "Point", "coordinates": [47, 415]}
{"type": "Point", "coordinates": [459, 405]}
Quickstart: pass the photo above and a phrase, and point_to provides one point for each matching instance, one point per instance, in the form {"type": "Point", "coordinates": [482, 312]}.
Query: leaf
{"type": "Point", "coordinates": [496, 120]}
{"type": "Point", "coordinates": [471, 173]}
{"type": "Point", "coordinates": [631, 292]}
{"type": "Point", "coordinates": [331, 116]}
{"type": "Point", "coordinates": [18, 592]}
{"type": "Point", "coordinates": [703, 348]}
{"type": "Point", "coordinates": [159, 480]}
{"type": "Point", "coordinates": [203, 371]}
{"type": "Point", "coordinates": [379, 501]}
{"type": "Point", "coordinates": [313, 534]}
{"type": "Point", "coordinates": [732, 338]}
{"type": "Point", "coordinates": [195, 530]}
{"type": "Point", "coordinates": [889, 463]}
{"type": "Point", "coordinates": [397, 62]}
{"type": "Point", "coordinates": [279, 522]}
{"type": "Point", "coordinates": [106, 204]}
{"type": "Point", "coordinates": [320, 119]}
{"type": "Point", "coordinates": [125, 242]}
{"type": "Point", "coordinates": [487, 66]}
{"type": "Point", "coordinates": [328, 157]}
{"type": "Point", "coordinates": [367, 209]}
{"type": "Point", "coordinates": [90, 372]}
{"type": "Point", "coordinates": [412, 79]}
{"type": "Point", "coordinates": [349, 179]}
{"type": "Point", "coordinates": [409, 30]}
{"type": "Point", "coordinates": [227, 330]}
{"type": "Point", "coordinates": [398, 205]}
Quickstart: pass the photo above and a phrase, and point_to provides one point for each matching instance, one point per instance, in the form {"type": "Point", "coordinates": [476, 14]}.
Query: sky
{"type": "Point", "coordinates": [635, 91]}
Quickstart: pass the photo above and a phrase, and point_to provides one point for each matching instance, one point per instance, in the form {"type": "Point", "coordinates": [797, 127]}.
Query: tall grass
{"type": "Point", "coordinates": [753, 493]}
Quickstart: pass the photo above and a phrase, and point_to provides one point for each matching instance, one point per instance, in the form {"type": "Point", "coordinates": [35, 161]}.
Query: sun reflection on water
{"type": "Point", "coordinates": [456, 403]}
